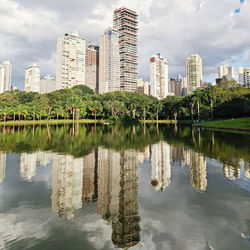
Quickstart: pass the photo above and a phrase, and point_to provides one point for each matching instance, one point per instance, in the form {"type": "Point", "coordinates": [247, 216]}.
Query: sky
{"type": "Point", "coordinates": [217, 30]}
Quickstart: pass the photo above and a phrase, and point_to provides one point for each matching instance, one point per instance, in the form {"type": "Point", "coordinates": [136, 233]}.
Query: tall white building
{"type": "Point", "coordinates": [240, 76]}
{"type": "Point", "coordinates": [194, 72]}
{"type": "Point", "coordinates": [109, 61]}
{"type": "Point", "coordinates": [158, 76]}
{"type": "Point", "coordinates": [70, 61]}
{"type": "Point", "coordinates": [226, 71]}
{"type": "Point", "coordinates": [1, 79]}
{"type": "Point", "coordinates": [47, 84]}
{"type": "Point", "coordinates": [32, 79]}
{"type": "Point", "coordinates": [246, 77]}
{"type": "Point", "coordinates": [5, 76]}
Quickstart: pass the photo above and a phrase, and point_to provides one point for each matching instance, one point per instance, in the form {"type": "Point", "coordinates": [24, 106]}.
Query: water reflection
{"type": "Point", "coordinates": [2, 166]}
{"type": "Point", "coordinates": [99, 167]}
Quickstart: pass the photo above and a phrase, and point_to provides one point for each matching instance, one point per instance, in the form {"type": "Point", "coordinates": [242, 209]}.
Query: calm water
{"type": "Point", "coordinates": [146, 187]}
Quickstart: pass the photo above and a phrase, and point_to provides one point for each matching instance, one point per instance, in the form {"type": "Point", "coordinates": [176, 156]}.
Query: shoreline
{"type": "Point", "coordinates": [53, 122]}
{"type": "Point", "coordinates": [222, 128]}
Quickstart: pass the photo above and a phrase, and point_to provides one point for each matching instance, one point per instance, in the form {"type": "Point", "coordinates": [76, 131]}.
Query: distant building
{"type": "Point", "coordinates": [194, 72]}
{"type": "Point", "coordinates": [143, 87]}
{"type": "Point", "coordinates": [246, 77]}
{"type": "Point", "coordinates": [5, 76]}
{"type": "Point", "coordinates": [226, 71]}
{"type": "Point", "coordinates": [125, 21]}
{"type": "Point", "coordinates": [175, 86]}
{"type": "Point", "coordinates": [32, 79]}
{"type": "Point", "coordinates": [47, 84]}
{"type": "Point", "coordinates": [240, 76]}
{"type": "Point", "coordinates": [159, 76]}
{"type": "Point", "coordinates": [109, 63]}
{"type": "Point", "coordinates": [92, 67]}
{"type": "Point", "coordinates": [70, 61]}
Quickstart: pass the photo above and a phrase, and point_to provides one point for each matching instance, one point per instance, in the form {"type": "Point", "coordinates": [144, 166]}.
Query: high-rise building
{"type": "Point", "coordinates": [70, 61]}
{"type": "Point", "coordinates": [246, 77]}
{"type": "Point", "coordinates": [125, 21]}
{"type": "Point", "coordinates": [143, 87]}
{"type": "Point", "coordinates": [240, 76]}
{"type": "Point", "coordinates": [194, 72]}
{"type": "Point", "coordinates": [92, 67]}
{"type": "Point", "coordinates": [32, 79]}
{"type": "Point", "coordinates": [5, 76]}
{"type": "Point", "coordinates": [226, 72]}
{"type": "Point", "coordinates": [47, 84]}
{"type": "Point", "coordinates": [159, 76]}
{"type": "Point", "coordinates": [109, 62]}
{"type": "Point", "coordinates": [1, 79]}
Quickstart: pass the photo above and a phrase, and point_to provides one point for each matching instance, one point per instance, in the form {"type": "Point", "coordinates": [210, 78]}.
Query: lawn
{"type": "Point", "coordinates": [239, 123]}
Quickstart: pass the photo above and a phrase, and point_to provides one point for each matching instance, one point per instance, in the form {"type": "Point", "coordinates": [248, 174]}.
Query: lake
{"type": "Point", "coordinates": [138, 187]}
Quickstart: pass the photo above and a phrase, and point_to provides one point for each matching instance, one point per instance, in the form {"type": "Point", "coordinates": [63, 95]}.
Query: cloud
{"type": "Point", "coordinates": [29, 30]}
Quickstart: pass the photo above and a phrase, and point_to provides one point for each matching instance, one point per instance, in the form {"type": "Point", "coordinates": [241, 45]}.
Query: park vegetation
{"type": "Point", "coordinates": [80, 102]}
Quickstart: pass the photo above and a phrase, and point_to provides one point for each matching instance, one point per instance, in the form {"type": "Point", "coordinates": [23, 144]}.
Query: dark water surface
{"type": "Point", "coordinates": [142, 187]}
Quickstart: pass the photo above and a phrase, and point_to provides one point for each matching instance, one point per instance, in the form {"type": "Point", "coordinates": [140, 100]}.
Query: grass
{"type": "Point", "coordinates": [42, 122]}
{"type": "Point", "coordinates": [236, 124]}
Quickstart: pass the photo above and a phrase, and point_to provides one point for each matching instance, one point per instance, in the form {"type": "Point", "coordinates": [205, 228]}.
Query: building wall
{"type": "Point", "coordinates": [1, 79]}
{"type": "Point", "coordinates": [109, 62]}
{"type": "Point", "coordinates": [246, 77]}
{"type": "Point", "coordinates": [194, 72]}
{"type": "Point", "coordinates": [159, 77]}
{"type": "Point", "coordinates": [125, 21]}
{"type": "Point", "coordinates": [70, 64]}
{"type": "Point", "coordinates": [32, 79]}
{"type": "Point", "coordinates": [47, 84]}
{"type": "Point", "coordinates": [226, 71]}
{"type": "Point", "coordinates": [92, 67]}
{"type": "Point", "coordinates": [7, 75]}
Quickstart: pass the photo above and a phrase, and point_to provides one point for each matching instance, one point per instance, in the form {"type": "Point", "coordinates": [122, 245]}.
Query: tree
{"type": "Point", "coordinates": [95, 107]}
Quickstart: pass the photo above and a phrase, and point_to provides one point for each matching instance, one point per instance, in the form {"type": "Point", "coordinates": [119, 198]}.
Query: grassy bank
{"type": "Point", "coordinates": [51, 122]}
{"type": "Point", "coordinates": [240, 124]}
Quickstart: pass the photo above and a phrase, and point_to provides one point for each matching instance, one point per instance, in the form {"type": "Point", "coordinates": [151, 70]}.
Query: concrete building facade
{"type": "Point", "coordinates": [92, 67]}
{"type": "Point", "coordinates": [32, 79]}
{"type": "Point", "coordinates": [125, 21]}
{"type": "Point", "coordinates": [159, 76]}
{"type": "Point", "coordinates": [109, 61]}
{"type": "Point", "coordinates": [5, 76]}
{"type": "Point", "coordinates": [226, 71]}
{"type": "Point", "coordinates": [47, 84]}
{"type": "Point", "coordinates": [70, 61]}
{"type": "Point", "coordinates": [246, 77]}
{"type": "Point", "coordinates": [194, 72]}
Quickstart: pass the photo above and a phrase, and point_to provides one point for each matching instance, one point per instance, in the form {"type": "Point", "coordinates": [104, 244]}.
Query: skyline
{"type": "Point", "coordinates": [34, 39]}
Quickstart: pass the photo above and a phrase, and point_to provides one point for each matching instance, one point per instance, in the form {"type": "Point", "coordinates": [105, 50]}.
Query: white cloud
{"type": "Point", "coordinates": [29, 29]}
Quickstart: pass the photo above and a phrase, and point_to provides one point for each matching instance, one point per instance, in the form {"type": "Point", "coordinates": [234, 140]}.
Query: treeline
{"type": "Point", "coordinates": [80, 102]}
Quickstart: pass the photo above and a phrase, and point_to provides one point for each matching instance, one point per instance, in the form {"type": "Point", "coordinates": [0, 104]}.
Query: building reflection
{"type": "Point", "coordinates": [161, 166]}
{"type": "Point", "coordinates": [2, 166]}
{"type": "Point", "coordinates": [67, 176]}
{"type": "Point", "coordinates": [198, 171]}
{"type": "Point", "coordinates": [247, 169]}
{"type": "Point", "coordinates": [126, 228]}
{"type": "Point", "coordinates": [117, 195]}
{"type": "Point", "coordinates": [28, 166]}
{"type": "Point", "coordinates": [230, 172]}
